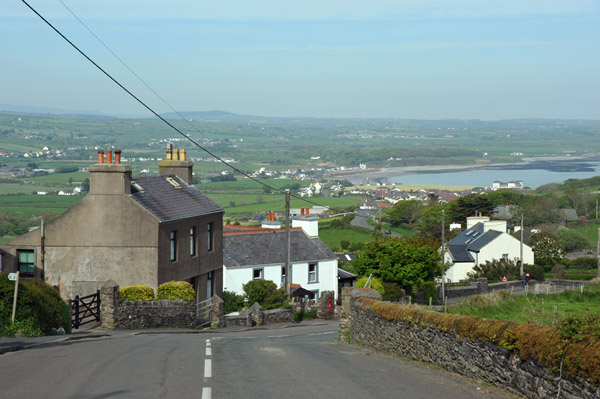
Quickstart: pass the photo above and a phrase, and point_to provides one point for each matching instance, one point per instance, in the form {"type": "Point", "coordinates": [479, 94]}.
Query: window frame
{"type": "Point", "coordinates": [210, 242]}
{"type": "Point", "coordinates": [260, 270]}
{"type": "Point", "coordinates": [315, 272]}
{"type": "Point", "coordinates": [29, 265]}
{"type": "Point", "coordinates": [193, 240]}
{"type": "Point", "coordinates": [173, 246]}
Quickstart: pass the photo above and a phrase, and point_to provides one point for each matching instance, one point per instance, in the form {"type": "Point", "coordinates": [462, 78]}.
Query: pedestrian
{"type": "Point", "coordinates": [527, 279]}
{"type": "Point", "coordinates": [523, 280]}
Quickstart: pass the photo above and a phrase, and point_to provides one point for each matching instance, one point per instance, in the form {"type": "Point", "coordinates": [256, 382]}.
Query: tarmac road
{"type": "Point", "coordinates": [279, 361]}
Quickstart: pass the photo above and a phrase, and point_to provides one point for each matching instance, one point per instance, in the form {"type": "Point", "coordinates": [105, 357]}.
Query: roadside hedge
{"type": "Point", "coordinates": [176, 290]}
{"type": "Point", "coordinates": [136, 293]}
{"type": "Point", "coordinates": [40, 309]}
{"type": "Point", "coordinates": [574, 345]}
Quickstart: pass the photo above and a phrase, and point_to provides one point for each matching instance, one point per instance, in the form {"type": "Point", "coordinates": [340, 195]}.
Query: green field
{"type": "Point", "coordinates": [535, 309]}
{"type": "Point", "coordinates": [332, 237]}
{"type": "Point", "coordinates": [591, 235]}
{"type": "Point", "coordinates": [36, 205]}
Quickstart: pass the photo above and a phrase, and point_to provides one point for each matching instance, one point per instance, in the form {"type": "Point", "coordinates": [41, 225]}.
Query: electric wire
{"type": "Point", "coordinates": [131, 70]}
{"type": "Point", "coordinates": [115, 81]}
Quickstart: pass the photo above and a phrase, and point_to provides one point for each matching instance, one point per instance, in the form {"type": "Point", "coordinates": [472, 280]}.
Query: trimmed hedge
{"type": "Point", "coordinates": [176, 290]}
{"type": "Point", "coordinates": [573, 346]}
{"type": "Point", "coordinates": [136, 293]}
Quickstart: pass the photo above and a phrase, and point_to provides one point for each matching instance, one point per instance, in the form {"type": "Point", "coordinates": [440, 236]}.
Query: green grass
{"type": "Point", "coordinates": [36, 205]}
{"type": "Point", "coordinates": [61, 179]}
{"type": "Point", "coordinates": [591, 235]}
{"type": "Point", "coordinates": [400, 230]}
{"type": "Point", "coordinates": [333, 237]}
{"type": "Point", "coordinates": [535, 309]}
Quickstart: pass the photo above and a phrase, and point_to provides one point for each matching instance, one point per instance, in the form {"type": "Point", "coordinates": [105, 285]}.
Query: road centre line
{"type": "Point", "coordinates": [206, 393]}
{"type": "Point", "coordinates": [208, 351]}
{"type": "Point", "coordinates": [207, 368]}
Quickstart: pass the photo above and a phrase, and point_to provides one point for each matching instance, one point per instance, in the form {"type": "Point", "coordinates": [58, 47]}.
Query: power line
{"type": "Point", "coordinates": [115, 81]}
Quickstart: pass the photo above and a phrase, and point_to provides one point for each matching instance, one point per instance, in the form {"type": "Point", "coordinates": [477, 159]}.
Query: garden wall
{"type": "Point", "coordinates": [411, 336]}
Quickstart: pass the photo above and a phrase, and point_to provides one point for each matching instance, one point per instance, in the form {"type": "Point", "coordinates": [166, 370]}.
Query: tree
{"type": "Point", "coordinates": [460, 209]}
{"type": "Point", "coordinates": [571, 239]}
{"type": "Point", "coordinates": [266, 293]}
{"type": "Point", "coordinates": [405, 212]}
{"type": "Point", "coordinates": [405, 262]}
{"type": "Point", "coordinates": [547, 248]}
{"type": "Point", "coordinates": [430, 221]}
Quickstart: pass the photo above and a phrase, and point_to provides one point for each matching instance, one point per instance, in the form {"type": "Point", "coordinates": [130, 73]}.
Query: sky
{"type": "Point", "coordinates": [408, 59]}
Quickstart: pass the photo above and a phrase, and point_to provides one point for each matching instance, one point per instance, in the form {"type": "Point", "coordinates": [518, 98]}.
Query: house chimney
{"type": "Point", "coordinates": [110, 178]}
{"type": "Point", "coordinates": [176, 163]}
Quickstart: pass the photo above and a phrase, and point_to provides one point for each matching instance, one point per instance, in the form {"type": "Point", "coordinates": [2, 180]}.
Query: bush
{"type": "Point", "coordinates": [392, 292]}
{"type": "Point", "coordinates": [136, 293]}
{"type": "Point", "coordinates": [495, 270]}
{"type": "Point", "coordinates": [559, 272]}
{"type": "Point", "coordinates": [40, 309]}
{"type": "Point", "coordinates": [430, 291]}
{"type": "Point", "coordinates": [375, 284]}
{"type": "Point", "coordinates": [300, 315]}
{"type": "Point", "coordinates": [536, 272]}
{"type": "Point", "coordinates": [232, 302]}
{"type": "Point", "coordinates": [176, 290]}
{"type": "Point", "coordinates": [584, 263]}
{"type": "Point", "coordinates": [571, 240]}
{"type": "Point", "coordinates": [266, 294]}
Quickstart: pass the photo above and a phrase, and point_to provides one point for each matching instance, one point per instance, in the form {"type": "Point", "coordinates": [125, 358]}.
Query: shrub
{"type": "Point", "coordinates": [495, 270]}
{"type": "Point", "coordinates": [584, 263]}
{"type": "Point", "coordinates": [176, 290]}
{"type": "Point", "coordinates": [40, 309]}
{"type": "Point", "coordinates": [430, 290]}
{"type": "Point", "coordinates": [136, 293]}
{"type": "Point", "coordinates": [392, 292]}
{"type": "Point", "coordinates": [559, 272]}
{"type": "Point", "coordinates": [536, 272]}
{"type": "Point", "coordinates": [375, 284]}
{"type": "Point", "coordinates": [232, 302]}
{"type": "Point", "coordinates": [302, 314]}
{"type": "Point", "coordinates": [571, 240]}
{"type": "Point", "coordinates": [265, 293]}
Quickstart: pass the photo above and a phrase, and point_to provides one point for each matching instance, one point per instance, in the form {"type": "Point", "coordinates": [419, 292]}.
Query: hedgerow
{"type": "Point", "coordinates": [573, 347]}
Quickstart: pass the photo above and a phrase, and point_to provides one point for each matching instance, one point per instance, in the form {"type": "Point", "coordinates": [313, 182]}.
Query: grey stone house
{"type": "Point", "coordinates": [147, 231]}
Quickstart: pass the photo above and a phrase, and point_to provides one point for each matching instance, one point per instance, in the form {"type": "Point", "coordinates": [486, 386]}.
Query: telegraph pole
{"type": "Point", "coordinates": [443, 260]}
{"type": "Point", "coordinates": [288, 281]}
{"type": "Point", "coordinates": [521, 255]}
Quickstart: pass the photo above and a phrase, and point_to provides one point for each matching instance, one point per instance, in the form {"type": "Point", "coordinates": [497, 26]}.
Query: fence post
{"type": "Point", "coordinates": [76, 311]}
{"type": "Point", "coordinates": [97, 305]}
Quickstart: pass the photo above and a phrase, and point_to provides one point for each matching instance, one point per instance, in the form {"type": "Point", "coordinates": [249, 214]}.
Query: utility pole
{"type": "Point", "coordinates": [598, 252]}
{"type": "Point", "coordinates": [288, 281]}
{"type": "Point", "coordinates": [521, 255]}
{"type": "Point", "coordinates": [42, 249]}
{"type": "Point", "coordinates": [443, 260]}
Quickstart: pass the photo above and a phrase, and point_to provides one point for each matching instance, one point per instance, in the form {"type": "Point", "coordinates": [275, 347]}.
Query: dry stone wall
{"type": "Point", "coordinates": [477, 359]}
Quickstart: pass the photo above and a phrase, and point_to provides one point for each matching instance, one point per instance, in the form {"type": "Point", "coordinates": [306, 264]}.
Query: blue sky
{"type": "Point", "coordinates": [379, 58]}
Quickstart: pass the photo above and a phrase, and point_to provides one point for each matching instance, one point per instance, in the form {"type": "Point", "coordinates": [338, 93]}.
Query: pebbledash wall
{"type": "Point", "coordinates": [476, 359]}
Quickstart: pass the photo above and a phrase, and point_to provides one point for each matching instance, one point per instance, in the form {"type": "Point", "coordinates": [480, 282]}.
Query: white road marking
{"type": "Point", "coordinates": [206, 393]}
{"type": "Point", "coordinates": [208, 345]}
{"type": "Point", "coordinates": [278, 336]}
{"type": "Point", "coordinates": [208, 341]}
{"type": "Point", "coordinates": [208, 351]}
{"type": "Point", "coordinates": [323, 333]}
{"type": "Point", "coordinates": [207, 368]}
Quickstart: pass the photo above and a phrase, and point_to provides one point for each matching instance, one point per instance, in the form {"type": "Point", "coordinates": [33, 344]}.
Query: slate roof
{"type": "Point", "coordinates": [171, 201]}
{"type": "Point", "coordinates": [268, 247]}
{"type": "Point", "coordinates": [470, 240]}
{"type": "Point", "coordinates": [342, 274]}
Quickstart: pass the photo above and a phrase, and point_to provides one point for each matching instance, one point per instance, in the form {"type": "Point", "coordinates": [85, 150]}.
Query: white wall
{"type": "Point", "coordinates": [235, 278]}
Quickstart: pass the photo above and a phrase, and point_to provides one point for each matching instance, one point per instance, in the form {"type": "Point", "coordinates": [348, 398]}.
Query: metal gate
{"type": "Point", "coordinates": [85, 310]}
{"type": "Point", "coordinates": [204, 313]}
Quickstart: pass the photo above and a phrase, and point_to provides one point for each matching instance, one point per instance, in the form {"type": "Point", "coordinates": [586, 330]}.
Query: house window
{"type": "Point", "coordinates": [257, 274]}
{"type": "Point", "coordinates": [173, 246]}
{"type": "Point", "coordinates": [26, 262]}
{"type": "Point", "coordinates": [312, 273]}
{"type": "Point", "coordinates": [210, 236]}
{"type": "Point", "coordinates": [209, 285]}
{"type": "Point", "coordinates": [505, 257]}
{"type": "Point", "coordinates": [192, 241]}
{"type": "Point", "coordinates": [283, 276]}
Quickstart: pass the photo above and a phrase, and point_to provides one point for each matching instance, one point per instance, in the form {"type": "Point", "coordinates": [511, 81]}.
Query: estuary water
{"type": "Point", "coordinates": [485, 177]}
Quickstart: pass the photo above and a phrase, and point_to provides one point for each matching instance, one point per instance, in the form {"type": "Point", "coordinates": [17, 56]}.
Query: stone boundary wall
{"type": "Point", "coordinates": [476, 359]}
{"type": "Point", "coordinates": [155, 314]}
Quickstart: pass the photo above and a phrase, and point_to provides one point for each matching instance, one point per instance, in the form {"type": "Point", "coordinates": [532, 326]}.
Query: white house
{"type": "Point", "coordinates": [251, 253]}
{"type": "Point", "coordinates": [483, 240]}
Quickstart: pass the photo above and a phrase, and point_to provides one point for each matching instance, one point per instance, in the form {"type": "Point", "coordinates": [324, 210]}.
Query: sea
{"type": "Point", "coordinates": [532, 178]}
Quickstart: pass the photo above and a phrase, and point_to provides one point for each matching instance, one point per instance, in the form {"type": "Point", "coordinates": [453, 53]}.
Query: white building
{"type": "Point", "coordinates": [483, 240]}
{"type": "Point", "coordinates": [251, 253]}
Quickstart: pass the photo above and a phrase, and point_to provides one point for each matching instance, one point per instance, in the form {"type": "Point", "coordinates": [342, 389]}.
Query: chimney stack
{"type": "Point", "coordinates": [176, 163]}
{"type": "Point", "coordinates": [107, 178]}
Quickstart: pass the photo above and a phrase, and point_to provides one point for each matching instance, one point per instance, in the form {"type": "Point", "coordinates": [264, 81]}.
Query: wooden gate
{"type": "Point", "coordinates": [85, 310]}
{"type": "Point", "coordinates": [204, 313]}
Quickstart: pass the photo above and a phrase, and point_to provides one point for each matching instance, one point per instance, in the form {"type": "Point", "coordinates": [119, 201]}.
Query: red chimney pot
{"type": "Point", "coordinates": [117, 156]}
{"type": "Point", "coordinates": [100, 156]}
{"type": "Point", "coordinates": [108, 156]}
